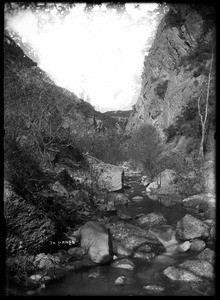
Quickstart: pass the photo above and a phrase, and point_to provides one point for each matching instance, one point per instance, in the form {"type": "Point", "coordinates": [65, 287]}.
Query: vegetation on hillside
{"type": "Point", "coordinates": [145, 147]}
{"type": "Point", "coordinates": [161, 88]}
{"type": "Point", "coordinates": [46, 126]}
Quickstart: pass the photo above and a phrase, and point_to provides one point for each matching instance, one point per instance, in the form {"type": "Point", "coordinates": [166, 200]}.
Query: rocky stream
{"type": "Point", "coordinates": [161, 247]}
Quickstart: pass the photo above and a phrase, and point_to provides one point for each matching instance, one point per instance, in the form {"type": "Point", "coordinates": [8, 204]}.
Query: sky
{"type": "Point", "coordinates": [98, 54]}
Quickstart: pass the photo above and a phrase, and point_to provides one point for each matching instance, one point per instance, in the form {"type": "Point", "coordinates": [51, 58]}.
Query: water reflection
{"type": "Point", "coordinates": [162, 200]}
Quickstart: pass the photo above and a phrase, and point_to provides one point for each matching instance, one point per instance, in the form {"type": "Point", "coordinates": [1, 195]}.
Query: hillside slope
{"type": "Point", "coordinates": [32, 98]}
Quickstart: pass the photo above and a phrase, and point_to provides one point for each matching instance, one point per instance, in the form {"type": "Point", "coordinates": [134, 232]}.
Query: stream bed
{"type": "Point", "coordinates": [146, 274]}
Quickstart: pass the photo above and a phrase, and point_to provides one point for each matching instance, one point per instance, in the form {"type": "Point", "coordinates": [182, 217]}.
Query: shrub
{"type": "Point", "coordinates": [188, 122]}
{"type": "Point", "coordinates": [177, 162]}
{"type": "Point", "coordinates": [19, 269]}
{"type": "Point", "coordinates": [173, 19]}
{"type": "Point", "coordinates": [22, 171]}
{"type": "Point", "coordinates": [107, 146]}
{"type": "Point", "coordinates": [172, 160]}
{"type": "Point", "coordinates": [145, 147]}
{"type": "Point", "coordinates": [197, 58]}
{"type": "Point", "coordinates": [170, 132]}
{"type": "Point", "coordinates": [161, 89]}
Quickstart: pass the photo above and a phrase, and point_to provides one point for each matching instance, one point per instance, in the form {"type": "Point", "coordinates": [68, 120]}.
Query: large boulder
{"type": "Point", "coordinates": [189, 228]}
{"type": "Point", "coordinates": [108, 176]}
{"type": "Point", "coordinates": [95, 238]}
{"type": "Point", "coordinates": [131, 240]}
{"type": "Point", "coordinates": [191, 270]}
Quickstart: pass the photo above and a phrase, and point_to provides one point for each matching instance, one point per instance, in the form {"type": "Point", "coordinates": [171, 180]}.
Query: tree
{"type": "Point", "coordinates": [203, 118]}
{"type": "Point", "coordinates": [145, 148]}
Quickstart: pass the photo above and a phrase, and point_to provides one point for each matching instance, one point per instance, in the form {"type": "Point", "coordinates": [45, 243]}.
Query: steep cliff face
{"type": "Point", "coordinates": [172, 72]}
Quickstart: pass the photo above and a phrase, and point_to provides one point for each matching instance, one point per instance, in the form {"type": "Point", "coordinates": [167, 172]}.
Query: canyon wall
{"type": "Point", "coordinates": [174, 70]}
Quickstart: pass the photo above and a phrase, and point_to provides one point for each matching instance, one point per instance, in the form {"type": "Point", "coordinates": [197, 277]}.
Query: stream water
{"type": "Point", "coordinates": [145, 272]}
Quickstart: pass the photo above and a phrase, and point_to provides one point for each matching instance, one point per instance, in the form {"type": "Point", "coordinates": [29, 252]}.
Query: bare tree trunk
{"type": "Point", "coordinates": [203, 120]}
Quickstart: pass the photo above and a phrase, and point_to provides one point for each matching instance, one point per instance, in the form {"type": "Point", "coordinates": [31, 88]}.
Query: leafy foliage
{"type": "Point", "coordinates": [161, 89]}
{"type": "Point", "coordinates": [19, 268]}
{"type": "Point", "coordinates": [145, 148]}
{"type": "Point", "coordinates": [173, 19]}
{"type": "Point", "coordinates": [187, 123]}
{"type": "Point", "coordinates": [197, 58]}
{"type": "Point", "coordinates": [107, 146]}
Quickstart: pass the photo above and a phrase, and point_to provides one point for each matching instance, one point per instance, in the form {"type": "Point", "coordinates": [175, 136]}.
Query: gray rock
{"type": "Point", "coordinates": [77, 252]}
{"type": "Point", "coordinates": [199, 267]}
{"type": "Point", "coordinates": [139, 215]}
{"type": "Point", "coordinates": [191, 270]}
{"type": "Point", "coordinates": [207, 254]}
{"type": "Point", "coordinates": [118, 198]}
{"type": "Point", "coordinates": [123, 263]}
{"type": "Point", "coordinates": [183, 247]}
{"type": "Point", "coordinates": [209, 222]}
{"type": "Point", "coordinates": [94, 274]}
{"type": "Point", "coordinates": [153, 196]}
{"type": "Point", "coordinates": [43, 261]}
{"type": "Point", "coordinates": [189, 228]}
{"type": "Point", "coordinates": [197, 245]}
{"type": "Point", "coordinates": [151, 220]}
{"type": "Point", "coordinates": [193, 200]}
{"type": "Point", "coordinates": [197, 188]}
{"type": "Point", "coordinates": [143, 255]}
{"type": "Point", "coordinates": [108, 176]}
{"type": "Point", "coordinates": [60, 189]}
{"type": "Point", "coordinates": [40, 277]}
{"type": "Point", "coordinates": [125, 234]}
{"type": "Point", "coordinates": [121, 280]}
{"type": "Point", "coordinates": [8, 191]}
{"type": "Point", "coordinates": [212, 233]}
{"type": "Point", "coordinates": [212, 226]}
{"type": "Point", "coordinates": [129, 239]}
{"type": "Point", "coordinates": [30, 293]}
{"type": "Point", "coordinates": [123, 216]}
{"type": "Point", "coordinates": [137, 198]}
{"type": "Point", "coordinates": [95, 240]}
{"type": "Point", "coordinates": [154, 288]}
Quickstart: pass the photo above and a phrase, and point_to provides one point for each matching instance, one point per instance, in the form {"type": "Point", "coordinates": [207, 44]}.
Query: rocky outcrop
{"type": "Point", "coordinates": [168, 78]}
